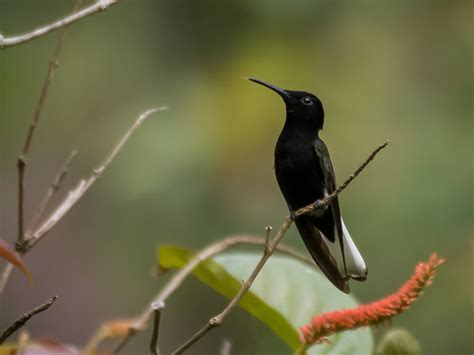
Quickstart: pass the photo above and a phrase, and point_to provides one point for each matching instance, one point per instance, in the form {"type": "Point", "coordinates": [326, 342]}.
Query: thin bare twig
{"type": "Point", "coordinates": [55, 185]}
{"type": "Point", "coordinates": [23, 157]}
{"type": "Point", "coordinates": [20, 322]}
{"type": "Point", "coordinates": [323, 203]}
{"type": "Point", "coordinates": [98, 5]}
{"type": "Point", "coordinates": [157, 307]}
{"type": "Point", "coordinates": [178, 278]}
{"type": "Point", "coordinates": [74, 196]}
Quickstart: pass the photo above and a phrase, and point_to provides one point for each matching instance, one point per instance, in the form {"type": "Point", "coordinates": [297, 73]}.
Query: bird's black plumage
{"type": "Point", "coordinates": [305, 174]}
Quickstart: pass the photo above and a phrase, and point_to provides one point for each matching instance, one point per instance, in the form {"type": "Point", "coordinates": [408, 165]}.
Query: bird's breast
{"type": "Point", "coordinates": [298, 172]}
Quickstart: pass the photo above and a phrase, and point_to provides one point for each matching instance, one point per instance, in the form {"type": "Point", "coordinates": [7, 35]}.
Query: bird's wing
{"type": "Point", "coordinates": [330, 182]}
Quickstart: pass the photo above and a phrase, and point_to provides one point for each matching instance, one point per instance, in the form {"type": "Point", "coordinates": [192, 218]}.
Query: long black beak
{"type": "Point", "coordinates": [280, 91]}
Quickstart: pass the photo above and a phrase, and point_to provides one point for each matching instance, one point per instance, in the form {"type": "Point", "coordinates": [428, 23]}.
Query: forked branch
{"type": "Point", "coordinates": [74, 196]}
{"type": "Point", "coordinates": [23, 157]}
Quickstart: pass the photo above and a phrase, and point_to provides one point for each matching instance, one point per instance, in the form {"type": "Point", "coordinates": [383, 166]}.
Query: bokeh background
{"type": "Point", "coordinates": [398, 70]}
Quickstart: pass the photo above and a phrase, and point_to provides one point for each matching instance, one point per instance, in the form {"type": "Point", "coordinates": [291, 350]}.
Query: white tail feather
{"type": "Point", "coordinates": [355, 265]}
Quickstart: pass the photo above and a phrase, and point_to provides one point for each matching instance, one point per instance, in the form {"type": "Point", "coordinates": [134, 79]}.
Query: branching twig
{"type": "Point", "coordinates": [23, 157]}
{"type": "Point", "coordinates": [205, 253]}
{"type": "Point", "coordinates": [219, 318]}
{"type": "Point", "coordinates": [98, 5]}
{"type": "Point", "coordinates": [74, 196]}
{"type": "Point", "coordinates": [157, 307]}
{"type": "Point", "coordinates": [20, 322]}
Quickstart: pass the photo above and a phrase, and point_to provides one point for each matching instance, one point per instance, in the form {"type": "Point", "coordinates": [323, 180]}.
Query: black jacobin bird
{"type": "Point", "coordinates": [305, 174]}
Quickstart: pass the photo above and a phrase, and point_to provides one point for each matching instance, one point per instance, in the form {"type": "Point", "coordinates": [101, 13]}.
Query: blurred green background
{"type": "Point", "coordinates": [398, 70]}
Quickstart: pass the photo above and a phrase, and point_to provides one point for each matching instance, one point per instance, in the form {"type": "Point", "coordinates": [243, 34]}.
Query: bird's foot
{"type": "Point", "coordinates": [317, 204]}
{"type": "Point", "coordinates": [293, 215]}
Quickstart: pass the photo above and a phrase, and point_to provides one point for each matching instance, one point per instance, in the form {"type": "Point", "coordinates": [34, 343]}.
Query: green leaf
{"type": "Point", "coordinates": [286, 294]}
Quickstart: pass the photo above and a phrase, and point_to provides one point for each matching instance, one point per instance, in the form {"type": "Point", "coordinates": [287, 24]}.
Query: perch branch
{"type": "Point", "coordinates": [20, 322]}
{"type": "Point", "coordinates": [270, 248]}
{"type": "Point", "coordinates": [23, 157]}
{"type": "Point", "coordinates": [178, 278]}
{"type": "Point", "coordinates": [98, 5]}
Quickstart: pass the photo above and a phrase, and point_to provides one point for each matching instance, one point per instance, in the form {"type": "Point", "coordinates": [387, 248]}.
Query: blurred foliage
{"type": "Point", "coordinates": [398, 342]}
{"type": "Point", "coordinates": [383, 69]}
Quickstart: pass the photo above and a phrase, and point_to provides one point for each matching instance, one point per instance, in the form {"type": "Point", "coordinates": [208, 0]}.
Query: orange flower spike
{"type": "Point", "coordinates": [375, 312]}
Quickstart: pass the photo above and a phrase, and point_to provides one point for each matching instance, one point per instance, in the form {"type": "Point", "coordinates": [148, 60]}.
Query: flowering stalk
{"type": "Point", "coordinates": [372, 313]}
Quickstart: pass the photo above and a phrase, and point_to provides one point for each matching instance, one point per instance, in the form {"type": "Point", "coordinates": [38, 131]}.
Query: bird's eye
{"type": "Point", "coordinates": [307, 100]}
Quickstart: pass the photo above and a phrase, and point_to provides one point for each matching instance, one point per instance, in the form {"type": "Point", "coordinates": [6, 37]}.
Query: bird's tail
{"type": "Point", "coordinates": [355, 265]}
{"type": "Point", "coordinates": [329, 257]}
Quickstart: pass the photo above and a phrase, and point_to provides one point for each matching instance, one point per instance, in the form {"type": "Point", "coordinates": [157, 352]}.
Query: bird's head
{"type": "Point", "coordinates": [302, 108]}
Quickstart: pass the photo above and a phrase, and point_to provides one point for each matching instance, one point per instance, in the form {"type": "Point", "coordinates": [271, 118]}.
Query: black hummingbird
{"type": "Point", "coordinates": [305, 174]}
